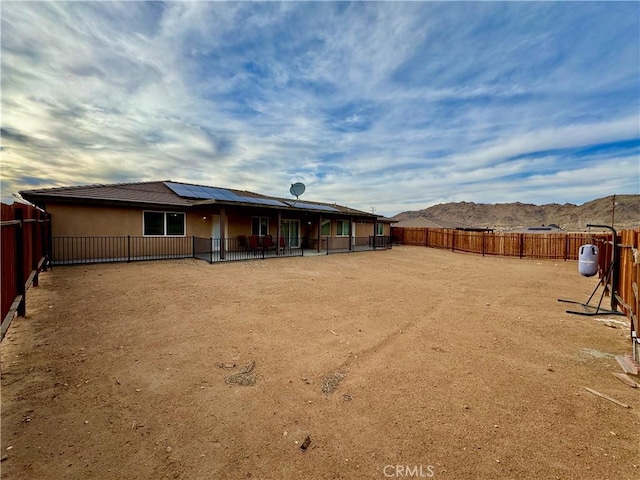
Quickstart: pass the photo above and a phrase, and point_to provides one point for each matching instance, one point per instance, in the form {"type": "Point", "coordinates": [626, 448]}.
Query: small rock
{"type": "Point", "coordinates": [10, 447]}
{"type": "Point", "coordinates": [86, 422]}
{"type": "Point", "coordinates": [4, 457]}
{"type": "Point", "coordinates": [169, 449]}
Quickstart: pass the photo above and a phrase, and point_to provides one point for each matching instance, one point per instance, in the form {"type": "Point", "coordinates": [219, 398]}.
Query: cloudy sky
{"type": "Point", "coordinates": [396, 106]}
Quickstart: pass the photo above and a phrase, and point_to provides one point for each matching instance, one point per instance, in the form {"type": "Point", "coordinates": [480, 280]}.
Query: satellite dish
{"type": "Point", "coordinates": [297, 189]}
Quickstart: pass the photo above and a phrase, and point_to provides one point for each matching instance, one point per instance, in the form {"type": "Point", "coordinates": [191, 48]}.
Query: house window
{"type": "Point", "coordinates": [325, 228]}
{"type": "Point", "coordinates": [260, 226]}
{"type": "Point", "coordinates": [163, 224]}
{"type": "Point", "coordinates": [379, 229]}
{"type": "Point", "coordinates": [342, 228]}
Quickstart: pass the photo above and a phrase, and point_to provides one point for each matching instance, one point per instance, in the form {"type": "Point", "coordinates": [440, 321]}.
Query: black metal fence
{"type": "Point", "coordinates": [82, 250]}
{"type": "Point", "coordinates": [354, 244]}
{"type": "Point", "coordinates": [78, 250]}
{"type": "Point", "coordinates": [244, 248]}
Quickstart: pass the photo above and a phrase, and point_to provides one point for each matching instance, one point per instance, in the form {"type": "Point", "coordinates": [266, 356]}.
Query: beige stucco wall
{"type": "Point", "coordinates": [95, 221]}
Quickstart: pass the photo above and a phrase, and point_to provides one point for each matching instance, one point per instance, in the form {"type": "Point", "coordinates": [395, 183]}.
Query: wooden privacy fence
{"type": "Point", "coordinates": [626, 279]}
{"type": "Point", "coordinates": [623, 285]}
{"type": "Point", "coordinates": [563, 246]}
{"type": "Point", "coordinates": [25, 237]}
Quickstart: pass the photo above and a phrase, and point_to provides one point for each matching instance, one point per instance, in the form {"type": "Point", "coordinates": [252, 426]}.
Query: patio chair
{"type": "Point", "coordinates": [268, 242]}
{"type": "Point", "coordinates": [242, 243]}
{"type": "Point", "coordinates": [254, 243]}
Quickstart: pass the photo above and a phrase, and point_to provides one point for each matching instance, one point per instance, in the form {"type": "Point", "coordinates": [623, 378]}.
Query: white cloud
{"type": "Point", "coordinates": [371, 104]}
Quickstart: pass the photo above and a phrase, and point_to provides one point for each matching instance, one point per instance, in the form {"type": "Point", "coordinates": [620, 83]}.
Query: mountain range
{"type": "Point", "coordinates": [505, 216]}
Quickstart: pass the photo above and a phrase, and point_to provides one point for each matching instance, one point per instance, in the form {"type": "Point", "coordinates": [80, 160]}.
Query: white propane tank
{"type": "Point", "coordinates": [588, 260]}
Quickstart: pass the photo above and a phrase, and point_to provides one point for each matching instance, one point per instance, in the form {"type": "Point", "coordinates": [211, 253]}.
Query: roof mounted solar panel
{"type": "Point", "coordinates": [312, 206]}
{"type": "Point", "coordinates": [277, 203]}
{"type": "Point", "coordinates": [179, 189]}
{"type": "Point", "coordinates": [199, 192]}
{"type": "Point", "coordinates": [222, 194]}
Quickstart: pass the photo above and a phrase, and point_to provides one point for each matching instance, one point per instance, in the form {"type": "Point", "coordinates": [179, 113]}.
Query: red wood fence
{"type": "Point", "coordinates": [624, 283]}
{"type": "Point", "coordinates": [562, 246]}
{"type": "Point", "coordinates": [626, 278]}
{"type": "Point", "coordinates": [25, 240]}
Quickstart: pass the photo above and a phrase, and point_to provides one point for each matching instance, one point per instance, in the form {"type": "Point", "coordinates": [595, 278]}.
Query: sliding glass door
{"type": "Point", "coordinates": [290, 231]}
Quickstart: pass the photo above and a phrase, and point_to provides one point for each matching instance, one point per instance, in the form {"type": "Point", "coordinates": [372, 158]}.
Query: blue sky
{"type": "Point", "coordinates": [391, 105]}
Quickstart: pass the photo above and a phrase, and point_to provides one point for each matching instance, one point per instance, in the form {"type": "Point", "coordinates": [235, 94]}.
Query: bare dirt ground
{"type": "Point", "coordinates": [446, 365]}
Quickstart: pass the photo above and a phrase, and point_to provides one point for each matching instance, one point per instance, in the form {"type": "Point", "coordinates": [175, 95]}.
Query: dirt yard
{"type": "Point", "coordinates": [409, 362]}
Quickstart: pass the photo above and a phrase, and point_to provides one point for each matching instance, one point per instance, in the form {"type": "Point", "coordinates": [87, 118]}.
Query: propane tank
{"type": "Point", "coordinates": [588, 260]}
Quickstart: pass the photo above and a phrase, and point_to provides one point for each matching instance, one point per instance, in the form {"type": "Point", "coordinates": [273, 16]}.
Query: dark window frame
{"type": "Point", "coordinates": [165, 224]}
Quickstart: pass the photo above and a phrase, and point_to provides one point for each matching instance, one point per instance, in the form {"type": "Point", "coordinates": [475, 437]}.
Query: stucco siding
{"type": "Point", "coordinates": [94, 221]}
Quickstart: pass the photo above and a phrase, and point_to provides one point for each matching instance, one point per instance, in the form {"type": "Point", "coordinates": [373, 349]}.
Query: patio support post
{"type": "Point", "coordinates": [320, 233]}
{"type": "Point", "coordinates": [278, 232]}
{"type": "Point", "coordinates": [375, 232]}
{"type": "Point", "coordinates": [350, 233]}
{"type": "Point", "coordinates": [223, 234]}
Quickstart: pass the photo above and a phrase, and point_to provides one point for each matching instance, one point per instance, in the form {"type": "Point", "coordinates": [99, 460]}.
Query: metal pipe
{"type": "Point", "coordinates": [614, 262]}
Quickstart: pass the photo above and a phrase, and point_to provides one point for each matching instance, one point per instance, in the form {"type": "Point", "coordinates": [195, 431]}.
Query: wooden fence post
{"type": "Point", "coordinates": [483, 244]}
{"type": "Point", "coordinates": [453, 240]}
{"type": "Point", "coordinates": [566, 247]}
{"type": "Point", "coordinates": [19, 230]}
{"type": "Point", "coordinates": [521, 244]}
{"type": "Point", "coordinates": [43, 240]}
{"type": "Point", "coordinates": [426, 238]}
{"type": "Point", "coordinates": [49, 224]}
{"type": "Point", "coordinates": [34, 248]}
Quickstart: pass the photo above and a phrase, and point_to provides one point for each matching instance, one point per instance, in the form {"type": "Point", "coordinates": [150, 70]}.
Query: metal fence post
{"type": "Point", "coordinates": [211, 250]}
{"type": "Point", "coordinates": [128, 248]}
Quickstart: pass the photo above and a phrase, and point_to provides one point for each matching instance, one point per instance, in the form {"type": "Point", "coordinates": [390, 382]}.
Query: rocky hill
{"type": "Point", "coordinates": [518, 215]}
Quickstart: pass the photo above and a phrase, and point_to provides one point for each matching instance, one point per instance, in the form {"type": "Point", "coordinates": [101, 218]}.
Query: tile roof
{"type": "Point", "coordinates": [152, 193]}
{"type": "Point", "coordinates": [139, 193]}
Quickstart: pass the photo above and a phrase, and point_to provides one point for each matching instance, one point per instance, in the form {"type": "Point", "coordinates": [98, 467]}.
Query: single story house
{"type": "Point", "coordinates": [232, 219]}
{"type": "Point", "coordinates": [551, 228]}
